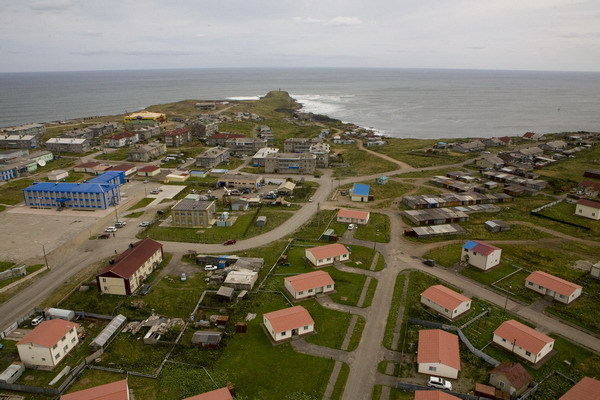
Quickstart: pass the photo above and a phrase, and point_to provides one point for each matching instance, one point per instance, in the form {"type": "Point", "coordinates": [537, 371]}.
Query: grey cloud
{"type": "Point", "coordinates": [573, 35]}
{"type": "Point", "coordinates": [336, 21]}
{"type": "Point", "coordinates": [51, 5]}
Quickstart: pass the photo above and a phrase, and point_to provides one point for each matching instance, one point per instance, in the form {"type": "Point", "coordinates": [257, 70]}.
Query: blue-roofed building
{"type": "Point", "coordinates": [480, 254]}
{"type": "Point", "coordinates": [84, 196]}
{"type": "Point", "coordinates": [111, 177]}
{"type": "Point", "coordinates": [360, 192]}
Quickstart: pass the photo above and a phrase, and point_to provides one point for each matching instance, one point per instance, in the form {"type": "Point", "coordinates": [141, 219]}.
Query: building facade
{"type": "Point", "coordinates": [194, 214]}
{"type": "Point", "coordinates": [19, 141]}
{"type": "Point", "coordinates": [68, 145]}
{"type": "Point", "coordinates": [480, 255]}
{"type": "Point", "coordinates": [86, 196]}
{"type": "Point", "coordinates": [213, 157]}
{"type": "Point", "coordinates": [310, 284]}
{"type": "Point", "coordinates": [290, 163]}
{"type": "Point", "coordinates": [287, 323]}
{"type": "Point", "coordinates": [48, 343]}
{"type": "Point", "coordinates": [523, 341]}
{"type": "Point", "coordinates": [327, 255]}
{"type": "Point", "coordinates": [146, 152]}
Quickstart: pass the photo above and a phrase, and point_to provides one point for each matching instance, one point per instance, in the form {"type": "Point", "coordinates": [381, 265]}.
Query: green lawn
{"type": "Point", "coordinates": [412, 151]}
{"type": "Point", "coordinates": [578, 312]}
{"type": "Point", "coordinates": [573, 168]}
{"type": "Point", "coordinates": [361, 163]}
{"type": "Point", "coordinates": [377, 230]}
{"type": "Point", "coordinates": [315, 227]}
{"type": "Point", "coordinates": [4, 265]}
{"type": "Point", "coordinates": [428, 173]}
{"type": "Point", "coordinates": [340, 384]}
{"type": "Point", "coordinates": [30, 270]}
{"type": "Point", "coordinates": [349, 286]}
{"type": "Point", "coordinates": [12, 192]}
{"type": "Point", "coordinates": [134, 215]}
{"type": "Point", "coordinates": [391, 190]}
{"type": "Point", "coordinates": [142, 203]}
{"type": "Point", "coordinates": [331, 325]}
{"type": "Point", "coordinates": [117, 155]}
{"type": "Point", "coordinates": [566, 212]}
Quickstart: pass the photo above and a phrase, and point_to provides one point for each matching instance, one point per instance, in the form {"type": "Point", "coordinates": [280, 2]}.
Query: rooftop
{"type": "Point", "coordinates": [433, 395]}
{"type": "Point", "coordinates": [218, 394]}
{"type": "Point", "coordinates": [118, 390]}
{"type": "Point", "coordinates": [586, 389]}
{"type": "Point", "coordinates": [553, 283]}
{"type": "Point", "coordinates": [480, 247]}
{"type": "Point", "coordinates": [329, 250]}
{"type": "Point", "coordinates": [515, 373]}
{"type": "Point", "coordinates": [192, 205]}
{"type": "Point", "coordinates": [133, 258]}
{"type": "Point", "coordinates": [361, 189]}
{"type": "Point", "coordinates": [310, 280]}
{"type": "Point", "coordinates": [588, 203]}
{"type": "Point", "coordinates": [523, 336]}
{"type": "Point", "coordinates": [437, 346]}
{"type": "Point", "coordinates": [357, 214]}
{"type": "Point", "coordinates": [289, 318]}
{"type": "Point", "coordinates": [445, 297]}
{"type": "Point", "coordinates": [48, 333]}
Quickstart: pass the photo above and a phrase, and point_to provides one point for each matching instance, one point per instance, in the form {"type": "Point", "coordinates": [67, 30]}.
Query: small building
{"type": "Point", "coordinates": [310, 284]}
{"type": "Point", "coordinates": [149, 170]}
{"type": "Point", "coordinates": [218, 394]}
{"type": "Point", "coordinates": [588, 209]}
{"type": "Point", "coordinates": [329, 254]}
{"type": "Point", "coordinates": [286, 188]}
{"type": "Point", "coordinates": [511, 378]}
{"type": "Point", "coordinates": [261, 220]}
{"type": "Point", "coordinates": [382, 180]}
{"type": "Point", "coordinates": [225, 293]}
{"type": "Point", "coordinates": [533, 136]}
{"type": "Point", "coordinates": [240, 181]}
{"type": "Point", "coordinates": [445, 301]}
{"type": "Point", "coordinates": [12, 373]}
{"type": "Point", "coordinates": [553, 286]}
{"type": "Point", "coordinates": [118, 390]}
{"type": "Point", "coordinates": [194, 214]}
{"type": "Point", "coordinates": [68, 145]}
{"type": "Point", "coordinates": [57, 175]}
{"type": "Point", "coordinates": [592, 173]}
{"type": "Point", "coordinates": [207, 339]}
{"type": "Point", "coordinates": [480, 254]}
{"type": "Point", "coordinates": [438, 353]}
{"type": "Point", "coordinates": [127, 168]}
{"type": "Point", "coordinates": [523, 341]}
{"type": "Point", "coordinates": [586, 389]}
{"type": "Point", "coordinates": [213, 157]}
{"type": "Point", "coordinates": [433, 395]}
{"type": "Point", "coordinates": [241, 280]}
{"type": "Point", "coordinates": [497, 225]}
{"type": "Point", "coordinates": [360, 192]}
{"type": "Point", "coordinates": [240, 205]}
{"type": "Point", "coordinates": [590, 188]}
{"type": "Point", "coordinates": [490, 162]}
{"type": "Point", "coordinates": [48, 343]}
{"type": "Point", "coordinates": [288, 323]}
{"type": "Point", "coordinates": [595, 270]}
{"type": "Point", "coordinates": [129, 269]}
{"type": "Point", "coordinates": [177, 176]}
{"type": "Point", "coordinates": [353, 216]}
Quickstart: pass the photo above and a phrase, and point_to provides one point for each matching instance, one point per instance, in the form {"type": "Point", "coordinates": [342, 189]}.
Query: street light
{"type": "Point", "coordinates": [44, 251]}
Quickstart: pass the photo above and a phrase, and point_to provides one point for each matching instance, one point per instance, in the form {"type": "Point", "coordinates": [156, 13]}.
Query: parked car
{"type": "Point", "coordinates": [110, 229]}
{"type": "Point", "coordinates": [439, 383]}
{"type": "Point", "coordinates": [37, 320]}
{"type": "Point", "coordinates": [160, 212]}
{"type": "Point", "coordinates": [154, 191]}
{"type": "Point", "coordinates": [429, 262]}
{"type": "Point", "coordinates": [120, 224]}
{"type": "Point", "coordinates": [145, 289]}
{"type": "Point", "coordinates": [230, 241]}
{"type": "Point", "coordinates": [183, 277]}
{"type": "Point", "coordinates": [210, 267]}
{"type": "Point", "coordinates": [351, 227]}
{"type": "Point", "coordinates": [310, 200]}
{"type": "Point", "coordinates": [104, 236]}
{"type": "Point", "coordinates": [144, 223]}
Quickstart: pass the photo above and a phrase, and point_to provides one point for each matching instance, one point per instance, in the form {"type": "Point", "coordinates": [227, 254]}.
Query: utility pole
{"type": "Point", "coordinates": [45, 257]}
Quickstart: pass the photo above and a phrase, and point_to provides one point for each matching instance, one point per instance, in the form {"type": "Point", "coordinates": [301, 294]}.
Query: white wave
{"type": "Point", "coordinates": [331, 105]}
{"type": "Point", "coordinates": [242, 98]}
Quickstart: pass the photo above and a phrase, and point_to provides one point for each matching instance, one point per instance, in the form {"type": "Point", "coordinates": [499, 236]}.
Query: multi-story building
{"type": "Point", "coordinates": [240, 181]}
{"type": "Point", "coordinates": [146, 152]}
{"type": "Point", "coordinates": [203, 128]}
{"type": "Point", "coordinates": [219, 139]}
{"type": "Point", "coordinates": [321, 150]}
{"type": "Point", "coordinates": [213, 157]}
{"type": "Point", "coordinates": [68, 145]}
{"type": "Point", "coordinates": [27, 129]}
{"type": "Point", "coordinates": [299, 145]}
{"type": "Point", "coordinates": [147, 132]}
{"type": "Point", "coordinates": [178, 137]}
{"type": "Point", "coordinates": [258, 159]}
{"type": "Point", "coordinates": [245, 145]}
{"type": "Point", "coordinates": [194, 214]}
{"type": "Point", "coordinates": [19, 141]}
{"type": "Point", "coordinates": [86, 196]}
{"type": "Point", "coordinates": [290, 163]}
{"type": "Point", "coordinates": [48, 343]}
{"type": "Point", "coordinates": [122, 139]}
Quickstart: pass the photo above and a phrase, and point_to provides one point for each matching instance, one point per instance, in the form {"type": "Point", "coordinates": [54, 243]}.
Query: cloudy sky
{"type": "Point", "coordinates": [55, 35]}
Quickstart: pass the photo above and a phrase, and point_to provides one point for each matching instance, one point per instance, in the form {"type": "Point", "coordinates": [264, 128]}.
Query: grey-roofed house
{"type": "Point", "coordinates": [194, 214]}
{"type": "Point", "coordinates": [225, 293]}
{"type": "Point", "coordinates": [469, 147]}
{"type": "Point", "coordinates": [207, 339]}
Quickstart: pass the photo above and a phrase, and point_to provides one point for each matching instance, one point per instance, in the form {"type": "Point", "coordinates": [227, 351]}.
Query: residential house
{"type": "Point", "coordinates": [218, 394]}
{"type": "Point", "coordinates": [492, 142]}
{"type": "Point", "coordinates": [19, 141]}
{"type": "Point", "coordinates": [129, 269]}
{"type": "Point", "coordinates": [219, 139]}
{"type": "Point", "coordinates": [290, 163]}
{"type": "Point", "coordinates": [588, 209]}
{"type": "Point", "coordinates": [207, 339]}
{"type": "Point", "coordinates": [194, 214]}
{"type": "Point", "coordinates": [445, 301]}
{"type": "Point", "coordinates": [469, 147]}
{"type": "Point", "coordinates": [149, 170]}
{"type": "Point", "coordinates": [258, 159]}
{"type": "Point", "coordinates": [177, 137]}
{"type": "Point", "coordinates": [288, 323]}
{"type": "Point", "coordinates": [118, 390]}
{"type": "Point", "coordinates": [490, 162]}
{"type": "Point", "coordinates": [523, 341]}
{"type": "Point", "coordinates": [329, 254]}
{"type": "Point", "coordinates": [533, 136]}
{"type": "Point", "coordinates": [531, 151]}
{"type": "Point", "coordinates": [555, 145]}
{"type": "Point", "coordinates": [48, 343]}
{"type": "Point", "coordinates": [353, 216]}
{"type": "Point", "coordinates": [480, 254]}
{"type": "Point", "coordinates": [146, 152]}
{"type": "Point", "coordinates": [590, 188]}
{"type": "Point", "coordinates": [67, 145]}
{"type": "Point", "coordinates": [505, 140]}
{"type": "Point", "coordinates": [438, 353]}
{"type": "Point", "coordinates": [27, 129]}
{"type": "Point", "coordinates": [360, 192]}
{"type": "Point", "coordinates": [299, 145]}
{"type": "Point", "coordinates": [213, 157]}
{"type": "Point", "coordinates": [586, 389]}
{"type": "Point", "coordinates": [511, 378]}
{"type": "Point", "coordinates": [122, 139]}
{"type": "Point", "coordinates": [245, 146]}
{"type": "Point", "coordinates": [433, 395]}
{"type": "Point", "coordinates": [147, 132]}
{"type": "Point", "coordinates": [310, 284]}
{"type": "Point", "coordinates": [553, 286]}
{"type": "Point", "coordinates": [240, 181]}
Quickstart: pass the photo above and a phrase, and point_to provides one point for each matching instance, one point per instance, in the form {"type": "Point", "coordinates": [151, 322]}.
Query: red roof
{"type": "Point", "coordinates": [438, 346]}
{"type": "Point", "coordinates": [90, 164]}
{"type": "Point", "coordinates": [589, 203]}
{"type": "Point", "coordinates": [177, 131]}
{"type": "Point", "coordinates": [219, 394]}
{"type": "Point", "coordinates": [48, 333]}
{"type": "Point", "coordinates": [514, 373]}
{"type": "Point", "coordinates": [445, 297]}
{"type": "Point", "coordinates": [505, 139]}
{"type": "Point", "coordinates": [328, 251]}
{"type": "Point", "coordinates": [118, 390]}
{"type": "Point", "coordinates": [289, 318]}
{"type": "Point", "coordinates": [483, 248]}
{"type": "Point", "coordinates": [553, 283]}
{"type": "Point", "coordinates": [310, 280]}
{"type": "Point", "coordinates": [433, 395]}
{"type": "Point", "coordinates": [132, 259]}
{"type": "Point", "coordinates": [356, 214]}
{"type": "Point", "coordinates": [585, 389]}
{"type": "Point", "coordinates": [226, 136]}
{"type": "Point", "coordinates": [148, 168]}
{"type": "Point", "coordinates": [122, 167]}
{"type": "Point", "coordinates": [523, 336]}
{"type": "Point", "coordinates": [590, 184]}
{"type": "Point", "coordinates": [122, 135]}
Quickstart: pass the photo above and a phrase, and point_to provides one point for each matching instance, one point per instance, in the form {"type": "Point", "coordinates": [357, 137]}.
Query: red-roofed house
{"type": "Point", "coordinates": [310, 284]}
{"type": "Point", "coordinates": [511, 378]}
{"type": "Point", "coordinates": [48, 343]}
{"type": "Point", "coordinates": [219, 394]}
{"type": "Point", "coordinates": [433, 395]}
{"type": "Point", "coordinates": [445, 301]}
{"type": "Point", "coordinates": [130, 268]}
{"type": "Point", "coordinates": [122, 139]}
{"type": "Point", "coordinates": [585, 389]}
{"type": "Point", "coordinates": [438, 353]}
{"type": "Point", "coordinates": [590, 188]}
{"type": "Point", "coordinates": [588, 208]}
{"type": "Point", "coordinates": [553, 286]}
{"type": "Point", "coordinates": [353, 216]}
{"type": "Point", "coordinates": [523, 341]}
{"type": "Point", "coordinates": [88, 167]}
{"type": "Point", "coordinates": [149, 170]}
{"type": "Point", "coordinates": [289, 322]}
{"type": "Point", "coordinates": [480, 254]}
{"type": "Point", "coordinates": [118, 390]}
{"type": "Point", "coordinates": [178, 137]}
{"type": "Point", "coordinates": [327, 255]}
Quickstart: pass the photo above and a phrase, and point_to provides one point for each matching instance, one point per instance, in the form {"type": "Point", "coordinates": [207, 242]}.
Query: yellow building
{"type": "Point", "coordinates": [46, 345]}
{"type": "Point", "coordinates": [145, 116]}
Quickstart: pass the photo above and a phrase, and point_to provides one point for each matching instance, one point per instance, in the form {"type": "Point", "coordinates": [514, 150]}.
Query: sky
{"type": "Point", "coordinates": [67, 35]}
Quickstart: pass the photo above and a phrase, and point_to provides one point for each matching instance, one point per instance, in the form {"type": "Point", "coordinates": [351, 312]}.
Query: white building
{"type": "Point", "coordinates": [241, 280]}
{"type": "Point", "coordinates": [310, 284]}
{"type": "Point", "coordinates": [438, 353]}
{"type": "Point", "coordinates": [523, 341]}
{"type": "Point", "coordinates": [327, 255]}
{"type": "Point", "coordinates": [48, 343]}
{"type": "Point", "coordinates": [588, 208]}
{"type": "Point", "coordinates": [445, 301]}
{"type": "Point", "coordinates": [480, 255]}
{"type": "Point", "coordinates": [553, 286]}
{"type": "Point", "coordinates": [288, 323]}
{"type": "Point", "coordinates": [57, 175]}
{"type": "Point", "coordinates": [353, 216]}
{"type": "Point", "coordinates": [595, 271]}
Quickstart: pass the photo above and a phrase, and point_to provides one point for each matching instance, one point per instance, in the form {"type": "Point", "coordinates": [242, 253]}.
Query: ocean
{"type": "Point", "coordinates": [415, 103]}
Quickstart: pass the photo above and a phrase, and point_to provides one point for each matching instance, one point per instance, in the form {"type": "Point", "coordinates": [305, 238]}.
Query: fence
{"type": "Point", "coordinates": [18, 322]}
{"type": "Point", "coordinates": [536, 213]}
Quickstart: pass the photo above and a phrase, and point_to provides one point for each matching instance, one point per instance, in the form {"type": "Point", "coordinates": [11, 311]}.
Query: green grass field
{"type": "Point", "coordinates": [361, 163]}
{"type": "Point", "coordinates": [11, 193]}
{"type": "Point", "coordinates": [412, 151]}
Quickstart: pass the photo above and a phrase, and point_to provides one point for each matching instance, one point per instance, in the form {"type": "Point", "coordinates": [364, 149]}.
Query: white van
{"type": "Point", "coordinates": [351, 227]}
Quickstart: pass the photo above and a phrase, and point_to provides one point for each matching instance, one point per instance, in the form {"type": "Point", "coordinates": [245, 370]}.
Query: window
{"type": "Point", "coordinates": [55, 346]}
{"type": "Point", "coordinates": [433, 368]}
{"type": "Point", "coordinates": [501, 383]}
{"type": "Point", "coordinates": [310, 290]}
{"type": "Point", "coordinates": [527, 353]}
{"type": "Point", "coordinates": [66, 348]}
{"type": "Point", "coordinates": [73, 340]}
{"type": "Point", "coordinates": [103, 280]}
{"type": "Point", "coordinates": [530, 283]}
{"type": "Point", "coordinates": [328, 286]}
{"type": "Point", "coordinates": [301, 292]}
{"type": "Point", "coordinates": [283, 333]}
{"type": "Point", "coordinates": [504, 340]}
{"type": "Point", "coordinates": [57, 356]}
{"type": "Point", "coordinates": [445, 309]}
{"type": "Point", "coordinates": [43, 358]}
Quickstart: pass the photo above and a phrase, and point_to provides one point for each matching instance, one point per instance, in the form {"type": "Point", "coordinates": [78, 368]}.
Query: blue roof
{"type": "Point", "coordinates": [361, 189]}
{"type": "Point", "coordinates": [108, 176]}
{"type": "Point", "coordinates": [71, 187]}
{"type": "Point", "coordinates": [470, 244]}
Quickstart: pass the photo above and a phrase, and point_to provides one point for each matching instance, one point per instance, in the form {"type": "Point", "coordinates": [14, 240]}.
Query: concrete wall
{"type": "Point", "coordinates": [112, 286]}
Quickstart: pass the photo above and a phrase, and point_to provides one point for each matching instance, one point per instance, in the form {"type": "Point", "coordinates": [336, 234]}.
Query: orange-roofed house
{"type": "Point", "coordinates": [353, 217]}
{"type": "Point", "coordinates": [445, 301]}
{"type": "Point", "coordinates": [149, 170]}
{"type": "Point", "coordinates": [219, 394]}
{"type": "Point", "coordinates": [48, 343]}
{"type": "Point", "coordinates": [553, 286]}
{"type": "Point", "coordinates": [289, 322]}
{"type": "Point", "coordinates": [433, 395]}
{"type": "Point", "coordinates": [480, 254]}
{"type": "Point", "coordinates": [438, 353]}
{"type": "Point", "coordinates": [310, 284]}
{"type": "Point", "coordinates": [130, 268]}
{"type": "Point", "coordinates": [327, 255]}
{"type": "Point", "coordinates": [585, 389]}
{"type": "Point", "coordinates": [523, 341]}
{"type": "Point", "coordinates": [118, 390]}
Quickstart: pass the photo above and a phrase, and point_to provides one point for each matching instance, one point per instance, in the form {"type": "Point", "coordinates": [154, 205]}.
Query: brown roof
{"type": "Point", "coordinates": [133, 258]}
{"type": "Point", "coordinates": [329, 250]}
{"type": "Point", "coordinates": [219, 394]}
{"type": "Point", "coordinates": [87, 165]}
{"type": "Point", "coordinates": [589, 203]}
{"type": "Point", "coordinates": [148, 168]}
{"type": "Point", "coordinates": [590, 184]}
{"type": "Point", "coordinates": [122, 135]}
{"type": "Point", "coordinates": [553, 283]}
{"type": "Point", "coordinates": [310, 280]}
{"type": "Point", "coordinates": [522, 335]}
{"type": "Point", "coordinates": [289, 318]}
{"type": "Point", "coordinates": [445, 297]}
{"type": "Point", "coordinates": [118, 390]}
{"type": "Point", "coordinates": [48, 333]}
{"type": "Point", "coordinates": [433, 395]}
{"type": "Point", "coordinates": [438, 346]}
{"type": "Point", "coordinates": [514, 373]}
{"type": "Point", "coordinates": [226, 136]}
{"type": "Point", "coordinates": [585, 389]}
{"type": "Point", "coordinates": [122, 167]}
{"type": "Point", "coordinates": [343, 213]}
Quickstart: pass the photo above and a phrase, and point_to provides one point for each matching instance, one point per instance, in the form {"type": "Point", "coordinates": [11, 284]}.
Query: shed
{"type": "Point", "coordinates": [286, 187]}
{"type": "Point", "coordinates": [261, 220]}
{"type": "Point", "coordinates": [56, 313]}
{"type": "Point", "coordinates": [225, 293]}
{"type": "Point", "coordinates": [12, 373]}
{"type": "Point", "coordinates": [360, 192]}
{"type": "Point", "coordinates": [57, 175]}
{"type": "Point", "coordinates": [240, 205]}
{"type": "Point", "coordinates": [382, 180]}
{"type": "Point", "coordinates": [497, 225]}
{"type": "Point", "coordinates": [241, 280]}
{"type": "Point", "coordinates": [329, 235]}
{"type": "Point", "coordinates": [207, 339]}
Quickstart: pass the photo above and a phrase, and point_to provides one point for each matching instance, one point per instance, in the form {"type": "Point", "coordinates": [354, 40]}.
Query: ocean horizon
{"type": "Point", "coordinates": [415, 103]}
